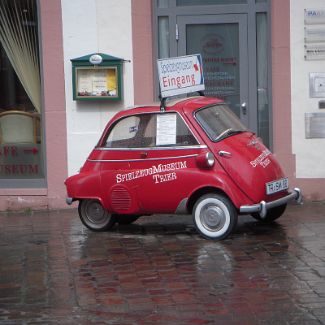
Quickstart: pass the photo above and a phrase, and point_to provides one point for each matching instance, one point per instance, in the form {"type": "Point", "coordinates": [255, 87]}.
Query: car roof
{"type": "Point", "coordinates": [189, 104]}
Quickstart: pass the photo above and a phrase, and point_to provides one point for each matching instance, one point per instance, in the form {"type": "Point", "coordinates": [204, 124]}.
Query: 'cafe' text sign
{"type": "Point", "coordinates": [180, 75]}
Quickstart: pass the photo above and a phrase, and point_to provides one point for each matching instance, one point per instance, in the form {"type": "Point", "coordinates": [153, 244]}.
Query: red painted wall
{"type": "Point", "coordinates": [142, 35]}
{"type": "Point", "coordinates": [54, 100]}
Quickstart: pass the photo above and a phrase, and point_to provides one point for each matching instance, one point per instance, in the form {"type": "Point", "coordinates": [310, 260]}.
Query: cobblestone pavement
{"type": "Point", "coordinates": [160, 271]}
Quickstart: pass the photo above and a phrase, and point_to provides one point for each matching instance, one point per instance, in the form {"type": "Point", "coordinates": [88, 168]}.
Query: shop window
{"type": "Point", "coordinates": [20, 98]}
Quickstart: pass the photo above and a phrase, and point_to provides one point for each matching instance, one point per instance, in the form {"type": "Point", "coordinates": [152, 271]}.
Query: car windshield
{"type": "Point", "coordinates": [219, 122]}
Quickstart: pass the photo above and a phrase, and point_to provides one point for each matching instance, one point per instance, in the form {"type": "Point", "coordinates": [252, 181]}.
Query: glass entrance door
{"type": "Point", "coordinates": [222, 42]}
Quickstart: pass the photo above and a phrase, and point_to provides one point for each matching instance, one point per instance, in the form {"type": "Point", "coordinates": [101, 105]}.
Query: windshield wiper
{"type": "Point", "coordinates": [228, 133]}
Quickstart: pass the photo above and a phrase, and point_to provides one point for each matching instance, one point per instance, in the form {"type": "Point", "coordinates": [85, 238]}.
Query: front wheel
{"type": "Point", "coordinates": [214, 216]}
{"type": "Point", "coordinates": [94, 216]}
{"type": "Point", "coordinates": [271, 215]}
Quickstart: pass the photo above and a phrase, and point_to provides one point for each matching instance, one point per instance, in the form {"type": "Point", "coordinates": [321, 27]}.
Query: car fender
{"type": "Point", "coordinates": [221, 182]}
{"type": "Point", "coordinates": [84, 186]}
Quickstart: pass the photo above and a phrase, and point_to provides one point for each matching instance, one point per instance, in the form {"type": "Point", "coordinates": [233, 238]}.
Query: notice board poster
{"type": "Point", "coordinates": [96, 82]}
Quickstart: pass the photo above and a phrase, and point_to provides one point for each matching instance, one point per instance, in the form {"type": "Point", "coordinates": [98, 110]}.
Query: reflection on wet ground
{"type": "Point", "coordinates": [160, 271]}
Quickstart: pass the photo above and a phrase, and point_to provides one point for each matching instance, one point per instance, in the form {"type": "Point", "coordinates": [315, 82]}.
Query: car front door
{"type": "Point", "coordinates": [148, 163]}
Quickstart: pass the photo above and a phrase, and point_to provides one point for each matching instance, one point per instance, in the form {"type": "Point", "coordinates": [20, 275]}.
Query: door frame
{"type": "Point", "coordinates": [169, 10]}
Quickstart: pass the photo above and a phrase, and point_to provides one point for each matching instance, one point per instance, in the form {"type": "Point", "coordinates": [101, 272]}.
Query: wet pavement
{"type": "Point", "coordinates": [160, 271]}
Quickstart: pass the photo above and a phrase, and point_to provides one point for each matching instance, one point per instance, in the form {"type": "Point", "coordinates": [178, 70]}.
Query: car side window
{"type": "Point", "coordinates": [150, 130]}
{"type": "Point", "coordinates": [184, 136]}
{"type": "Point", "coordinates": [123, 132]}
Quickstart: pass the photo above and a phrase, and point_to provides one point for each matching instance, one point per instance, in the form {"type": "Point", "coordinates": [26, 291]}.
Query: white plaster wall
{"type": "Point", "coordinates": [310, 153]}
{"type": "Point", "coordinates": [91, 26]}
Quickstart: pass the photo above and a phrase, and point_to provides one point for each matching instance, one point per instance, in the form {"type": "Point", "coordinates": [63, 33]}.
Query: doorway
{"type": "Point", "coordinates": [233, 38]}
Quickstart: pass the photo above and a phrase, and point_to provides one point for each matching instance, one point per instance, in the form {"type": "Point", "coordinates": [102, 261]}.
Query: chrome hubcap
{"type": "Point", "coordinates": [213, 218]}
{"type": "Point", "coordinates": [95, 213]}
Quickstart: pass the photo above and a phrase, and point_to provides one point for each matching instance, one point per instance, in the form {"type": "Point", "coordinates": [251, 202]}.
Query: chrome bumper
{"type": "Point", "coordinates": [263, 206]}
{"type": "Point", "coordinates": [69, 200]}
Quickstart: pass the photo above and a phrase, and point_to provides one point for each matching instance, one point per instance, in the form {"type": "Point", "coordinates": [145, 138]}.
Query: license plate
{"type": "Point", "coordinates": [277, 186]}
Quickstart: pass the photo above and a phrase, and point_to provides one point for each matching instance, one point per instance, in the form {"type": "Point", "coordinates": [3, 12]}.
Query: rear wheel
{"type": "Point", "coordinates": [126, 219]}
{"type": "Point", "coordinates": [271, 215]}
{"type": "Point", "coordinates": [214, 216]}
{"type": "Point", "coordinates": [94, 216]}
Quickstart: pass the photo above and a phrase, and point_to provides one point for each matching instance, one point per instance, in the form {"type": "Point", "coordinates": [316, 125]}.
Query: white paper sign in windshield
{"type": "Point", "coordinates": [180, 75]}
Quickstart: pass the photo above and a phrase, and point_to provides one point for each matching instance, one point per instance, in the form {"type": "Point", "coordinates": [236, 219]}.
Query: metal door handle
{"type": "Point", "coordinates": [244, 108]}
{"type": "Point", "coordinates": [143, 154]}
{"type": "Point", "coordinates": [223, 153]}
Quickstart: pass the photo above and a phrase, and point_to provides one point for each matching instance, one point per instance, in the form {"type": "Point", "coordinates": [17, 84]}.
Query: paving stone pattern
{"type": "Point", "coordinates": [160, 271]}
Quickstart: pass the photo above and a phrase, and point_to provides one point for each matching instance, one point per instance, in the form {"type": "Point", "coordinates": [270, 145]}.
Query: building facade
{"type": "Point", "coordinates": [264, 57]}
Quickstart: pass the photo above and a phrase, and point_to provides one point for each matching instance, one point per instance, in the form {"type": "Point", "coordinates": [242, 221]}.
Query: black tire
{"type": "Point", "coordinates": [94, 216]}
{"type": "Point", "coordinates": [214, 216]}
{"type": "Point", "coordinates": [126, 219]}
{"type": "Point", "coordinates": [272, 214]}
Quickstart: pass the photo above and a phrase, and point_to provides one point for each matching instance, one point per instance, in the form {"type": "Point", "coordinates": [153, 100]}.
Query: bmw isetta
{"type": "Point", "coordinates": [193, 157]}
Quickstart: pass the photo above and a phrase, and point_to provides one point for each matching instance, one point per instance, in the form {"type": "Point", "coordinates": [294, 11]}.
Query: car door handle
{"type": "Point", "coordinates": [143, 154]}
{"type": "Point", "coordinates": [225, 154]}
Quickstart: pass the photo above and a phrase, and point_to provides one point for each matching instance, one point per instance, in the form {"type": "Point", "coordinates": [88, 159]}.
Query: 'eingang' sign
{"type": "Point", "coordinates": [180, 75]}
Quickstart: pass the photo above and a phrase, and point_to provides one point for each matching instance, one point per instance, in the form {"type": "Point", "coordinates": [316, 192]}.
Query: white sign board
{"type": "Point", "coordinates": [314, 16]}
{"type": "Point", "coordinates": [180, 75]}
{"type": "Point", "coordinates": [314, 35]}
{"type": "Point", "coordinates": [317, 85]}
{"type": "Point", "coordinates": [315, 52]}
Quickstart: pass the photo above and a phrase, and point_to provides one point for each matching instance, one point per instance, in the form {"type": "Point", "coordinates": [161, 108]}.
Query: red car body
{"type": "Point", "coordinates": [126, 176]}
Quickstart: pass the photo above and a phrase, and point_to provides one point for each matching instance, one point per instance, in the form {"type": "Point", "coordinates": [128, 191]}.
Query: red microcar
{"type": "Point", "coordinates": [193, 156]}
